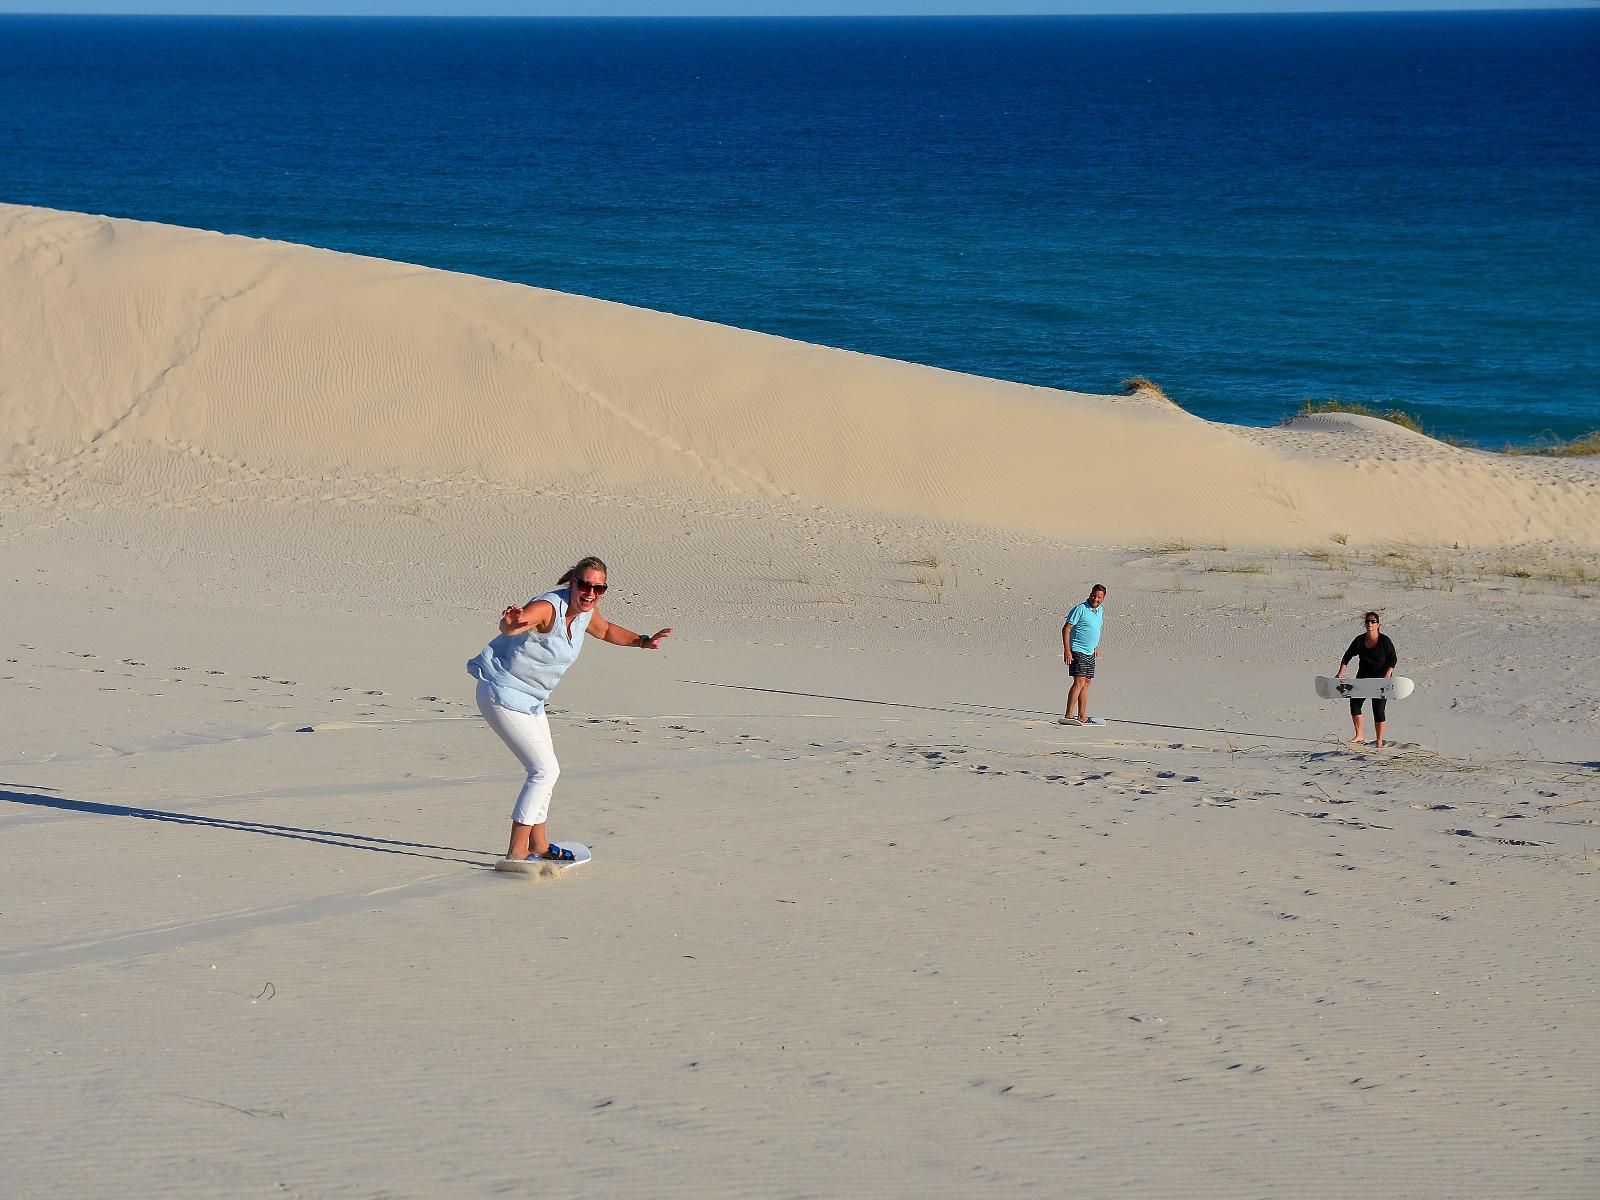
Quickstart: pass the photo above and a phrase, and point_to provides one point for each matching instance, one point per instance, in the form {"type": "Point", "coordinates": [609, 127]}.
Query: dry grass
{"type": "Point", "coordinates": [1237, 569]}
{"type": "Point", "coordinates": [931, 574]}
{"type": "Point", "coordinates": [1395, 416]}
{"type": "Point", "coordinates": [1579, 447]}
{"type": "Point", "coordinates": [1447, 568]}
{"type": "Point", "coordinates": [1140, 386]}
{"type": "Point", "coordinates": [1184, 546]}
{"type": "Point", "coordinates": [1568, 574]}
{"type": "Point", "coordinates": [1550, 446]}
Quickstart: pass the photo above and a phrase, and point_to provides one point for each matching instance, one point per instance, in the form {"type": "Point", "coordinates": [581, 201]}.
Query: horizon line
{"type": "Point", "coordinates": [1586, 6]}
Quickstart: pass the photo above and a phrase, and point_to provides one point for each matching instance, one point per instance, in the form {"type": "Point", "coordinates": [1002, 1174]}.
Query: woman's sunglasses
{"type": "Point", "coordinates": [599, 589]}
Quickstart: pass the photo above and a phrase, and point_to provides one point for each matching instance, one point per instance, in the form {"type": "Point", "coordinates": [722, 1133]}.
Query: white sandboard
{"type": "Point", "coordinates": [546, 866]}
{"type": "Point", "coordinates": [1396, 687]}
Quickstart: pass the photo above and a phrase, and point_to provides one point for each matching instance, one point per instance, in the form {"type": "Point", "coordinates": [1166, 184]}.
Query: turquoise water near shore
{"type": "Point", "coordinates": [1395, 210]}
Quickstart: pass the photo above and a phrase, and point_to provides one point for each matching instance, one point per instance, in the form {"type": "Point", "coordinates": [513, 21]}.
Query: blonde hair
{"type": "Point", "coordinates": [582, 565]}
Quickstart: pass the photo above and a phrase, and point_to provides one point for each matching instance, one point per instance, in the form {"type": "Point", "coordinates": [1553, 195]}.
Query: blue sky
{"type": "Point", "coordinates": [538, 8]}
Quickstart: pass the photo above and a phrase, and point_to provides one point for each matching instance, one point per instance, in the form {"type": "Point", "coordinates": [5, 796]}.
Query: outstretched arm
{"type": "Point", "coordinates": [610, 631]}
{"type": "Point", "coordinates": [540, 615]}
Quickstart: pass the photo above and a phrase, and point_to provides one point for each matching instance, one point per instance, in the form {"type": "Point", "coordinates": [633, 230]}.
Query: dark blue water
{"type": "Point", "coordinates": [1395, 210]}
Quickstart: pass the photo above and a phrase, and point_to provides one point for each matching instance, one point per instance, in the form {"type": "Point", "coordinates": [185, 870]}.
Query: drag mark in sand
{"type": "Point", "coordinates": [136, 943]}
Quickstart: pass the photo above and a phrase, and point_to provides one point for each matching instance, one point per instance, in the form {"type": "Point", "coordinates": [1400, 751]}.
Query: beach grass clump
{"type": "Point", "coordinates": [1580, 447]}
{"type": "Point", "coordinates": [1508, 568]}
{"type": "Point", "coordinates": [1237, 569]}
{"type": "Point", "coordinates": [1443, 569]}
{"type": "Point", "coordinates": [1395, 416]}
{"type": "Point", "coordinates": [1176, 546]}
{"type": "Point", "coordinates": [1139, 385]}
{"type": "Point", "coordinates": [1574, 575]}
{"type": "Point", "coordinates": [1415, 569]}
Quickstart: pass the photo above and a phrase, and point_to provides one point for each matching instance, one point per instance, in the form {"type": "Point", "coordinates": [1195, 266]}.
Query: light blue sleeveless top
{"type": "Point", "coordinates": [524, 668]}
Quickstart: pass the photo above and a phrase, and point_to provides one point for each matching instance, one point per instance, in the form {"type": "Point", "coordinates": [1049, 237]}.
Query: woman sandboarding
{"type": "Point", "coordinates": [516, 674]}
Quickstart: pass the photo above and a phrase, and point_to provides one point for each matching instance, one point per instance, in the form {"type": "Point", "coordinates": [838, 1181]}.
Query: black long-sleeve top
{"type": "Point", "coordinates": [1375, 660]}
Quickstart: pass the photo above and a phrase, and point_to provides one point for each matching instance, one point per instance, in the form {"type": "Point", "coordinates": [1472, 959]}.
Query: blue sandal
{"type": "Point", "coordinates": [556, 854]}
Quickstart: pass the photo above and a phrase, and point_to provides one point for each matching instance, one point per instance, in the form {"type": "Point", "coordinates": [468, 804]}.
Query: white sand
{"type": "Point", "coordinates": [862, 918]}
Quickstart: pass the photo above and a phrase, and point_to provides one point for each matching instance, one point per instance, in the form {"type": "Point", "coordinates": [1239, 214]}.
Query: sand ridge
{"type": "Point", "coordinates": [285, 358]}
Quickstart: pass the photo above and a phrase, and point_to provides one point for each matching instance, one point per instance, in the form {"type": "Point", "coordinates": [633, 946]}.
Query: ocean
{"type": "Point", "coordinates": [1396, 210]}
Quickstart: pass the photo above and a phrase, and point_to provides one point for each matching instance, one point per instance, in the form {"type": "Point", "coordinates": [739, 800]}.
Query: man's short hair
{"type": "Point", "coordinates": [1099, 587]}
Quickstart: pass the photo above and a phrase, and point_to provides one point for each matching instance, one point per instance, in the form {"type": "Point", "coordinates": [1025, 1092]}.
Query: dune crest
{"type": "Point", "coordinates": [134, 338]}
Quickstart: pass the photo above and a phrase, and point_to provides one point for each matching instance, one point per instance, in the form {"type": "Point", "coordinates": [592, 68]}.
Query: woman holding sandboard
{"type": "Point", "coordinates": [516, 674]}
{"type": "Point", "coordinates": [1377, 660]}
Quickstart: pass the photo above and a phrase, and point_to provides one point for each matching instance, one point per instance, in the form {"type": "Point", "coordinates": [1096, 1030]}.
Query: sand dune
{"type": "Point", "coordinates": [863, 919]}
{"type": "Point", "coordinates": [119, 334]}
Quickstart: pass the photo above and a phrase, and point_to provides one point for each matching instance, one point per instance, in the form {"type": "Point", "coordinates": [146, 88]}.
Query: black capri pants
{"type": "Point", "coordinates": [1380, 709]}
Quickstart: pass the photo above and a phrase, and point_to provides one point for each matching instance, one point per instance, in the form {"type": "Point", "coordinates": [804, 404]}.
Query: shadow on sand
{"type": "Point", "coordinates": [967, 708]}
{"type": "Point", "coordinates": [326, 837]}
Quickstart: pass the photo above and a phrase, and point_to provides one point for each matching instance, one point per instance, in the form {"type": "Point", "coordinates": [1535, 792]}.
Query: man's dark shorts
{"type": "Point", "coordinates": [1082, 666]}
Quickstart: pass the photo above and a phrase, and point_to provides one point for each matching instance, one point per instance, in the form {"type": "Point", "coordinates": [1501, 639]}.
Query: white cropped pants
{"type": "Point", "coordinates": [528, 737]}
